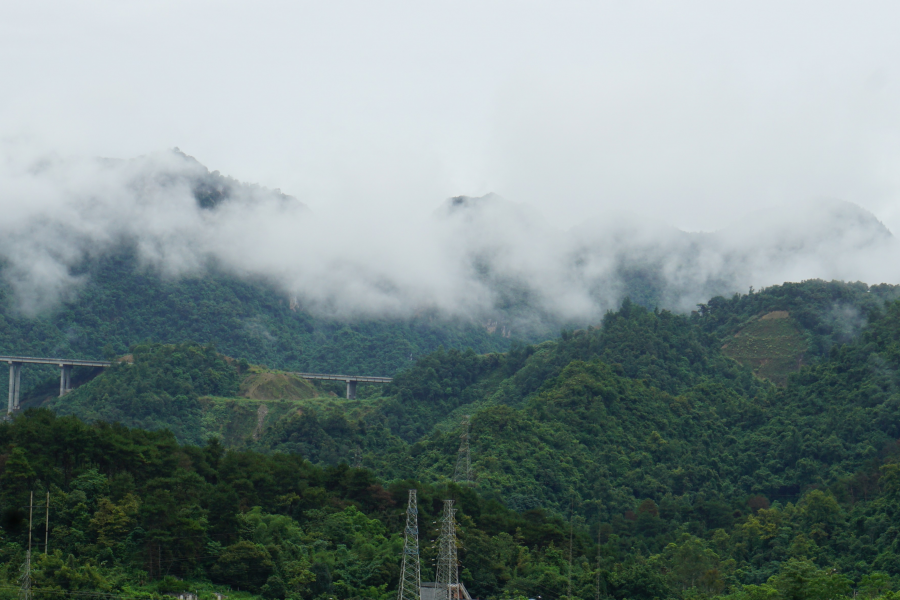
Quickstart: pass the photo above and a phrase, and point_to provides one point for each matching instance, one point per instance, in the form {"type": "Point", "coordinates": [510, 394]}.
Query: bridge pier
{"type": "Point", "coordinates": [352, 380]}
{"type": "Point", "coordinates": [15, 383]}
{"type": "Point", "coordinates": [65, 379]}
{"type": "Point", "coordinates": [65, 374]}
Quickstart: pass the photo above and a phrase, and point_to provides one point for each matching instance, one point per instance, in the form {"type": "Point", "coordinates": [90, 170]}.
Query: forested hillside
{"type": "Point", "coordinates": [661, 439]}
{"type": "Point", "coordinates": [682, 472]}
{"type": "Point", "coordinates": [95, 285]}
{"type": "Point", "coordinates": [122, 304]}
{"type": "Point", "coordinates": [133, 514]}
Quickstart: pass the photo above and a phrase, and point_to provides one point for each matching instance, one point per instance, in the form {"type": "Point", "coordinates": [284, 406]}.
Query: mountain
{"type": "Point", "coordinates": [538, 274]}
{"type": "Point", "coordinates": [642, 422]}
{"type": "Point", "coordinates": [674, 454]}
{"type": "Point", "coordinates": [123, 304]}
{"type": "Point", "coordinates": [106, 254]}
{"type": "Point", "coordinates": [698, 475]}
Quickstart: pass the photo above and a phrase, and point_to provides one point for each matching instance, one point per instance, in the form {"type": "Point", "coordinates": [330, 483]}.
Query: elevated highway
{"type": "Point", "coordinates": [66, 364]}
{"type": "Point", "coordinates": [351, 380]}
{"type": "Point", "coordinates": [65, 373]}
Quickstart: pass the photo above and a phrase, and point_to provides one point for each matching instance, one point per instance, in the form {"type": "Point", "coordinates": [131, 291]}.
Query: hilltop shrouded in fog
{"type": "Point", "coordinates": [471, 257]}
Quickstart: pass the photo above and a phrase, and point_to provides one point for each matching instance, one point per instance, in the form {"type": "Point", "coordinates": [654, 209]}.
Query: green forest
{"type": "Point", "coordinates": [122, 303]}
{"type": "Point", "coordinates": [746, 450]}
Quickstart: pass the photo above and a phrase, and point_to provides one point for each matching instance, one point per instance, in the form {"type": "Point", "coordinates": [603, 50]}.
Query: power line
{"type": "Point", "coordinates": [71, 592]}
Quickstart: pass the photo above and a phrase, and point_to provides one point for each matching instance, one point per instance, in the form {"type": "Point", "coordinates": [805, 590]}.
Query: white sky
{"type": "Point", "coordinates": [693, 112]}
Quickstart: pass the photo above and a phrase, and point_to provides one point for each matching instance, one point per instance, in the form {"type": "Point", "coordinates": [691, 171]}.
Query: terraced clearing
{"type": "Point", "coordinates": [268, 396]}
{"type": "Point", "coordinates": [772, 345]}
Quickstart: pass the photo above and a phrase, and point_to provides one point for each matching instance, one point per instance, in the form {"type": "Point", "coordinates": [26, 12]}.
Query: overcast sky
{"type": "Point", "coordinates": [693, 112]}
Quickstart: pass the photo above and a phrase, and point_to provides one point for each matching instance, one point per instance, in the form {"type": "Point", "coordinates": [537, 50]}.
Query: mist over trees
{"type": "Point", "coordinates": [483, 259]}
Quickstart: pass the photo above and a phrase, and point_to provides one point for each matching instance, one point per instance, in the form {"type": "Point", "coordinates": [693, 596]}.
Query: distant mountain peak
{"type": "Point", "coordinates": [211, 188]}
{"type": "Point", "coordinates": [457, 203]}
{"type": "Point", "coordinates": [822, 223]}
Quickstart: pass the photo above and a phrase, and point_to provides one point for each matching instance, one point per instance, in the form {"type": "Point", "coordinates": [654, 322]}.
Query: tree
{"type": "Point", "coordinates": [244, 565]}
{"type": "Point", "coordinates": [112, 522]}
{"type": "Point", "coordinates": [800, 579]}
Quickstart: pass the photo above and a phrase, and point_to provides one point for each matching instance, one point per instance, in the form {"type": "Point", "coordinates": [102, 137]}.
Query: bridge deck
{"type": "Point", "coordinates": [357, 378]}
{"type": "Point", "coordinates": [66, 364]}
{"type": "Point", "coordinates": [65, 374]}
{"type": "Point", "coordinates": [75, 362]}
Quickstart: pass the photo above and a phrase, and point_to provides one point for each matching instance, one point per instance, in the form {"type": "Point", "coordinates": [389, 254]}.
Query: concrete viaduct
{"type": "Point", "coordinates": [66, 364]}
{"type": "Point", "coordinates": [351, 380]}
{"type": "Point", "coordinates": [65, 373]}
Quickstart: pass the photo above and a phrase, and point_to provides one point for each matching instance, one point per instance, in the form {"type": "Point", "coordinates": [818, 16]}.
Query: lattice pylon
{"type": "Point", "coordinates": [463, 472]}
{"type": "Point", "coordinates": [447, 567]}
{"type": "Point", "coordinates": [410, 577]}
{"type": "Point", "coordinates": [25, 579]}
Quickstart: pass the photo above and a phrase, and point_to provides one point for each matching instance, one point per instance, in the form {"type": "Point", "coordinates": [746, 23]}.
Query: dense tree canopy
{"type": "Point", "coordinates": [677, 471]}
{"type": "Point", "coordinates": [122, 303]}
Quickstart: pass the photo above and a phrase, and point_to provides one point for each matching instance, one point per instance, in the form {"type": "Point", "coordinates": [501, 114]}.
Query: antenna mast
{"type": "Point", "coordinates": [463, 473]}
{"type": "Point", "coordinates": [410, 578]}
{"type": "Point", "coordinates": [448, 567]}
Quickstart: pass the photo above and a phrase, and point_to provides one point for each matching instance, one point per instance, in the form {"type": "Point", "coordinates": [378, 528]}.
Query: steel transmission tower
{"type": "Point", "coordinates": [448, 567]}
{"type": "Point", "coordinates": [25, 579]}
{"type": "Point", "coordinates": [463, 472]}
{"type": "Point", "coordinates": [410, 578]}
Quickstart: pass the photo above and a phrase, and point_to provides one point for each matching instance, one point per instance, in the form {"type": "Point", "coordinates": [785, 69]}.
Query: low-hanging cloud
{"type": "Point", "coordinates": [472, 257]}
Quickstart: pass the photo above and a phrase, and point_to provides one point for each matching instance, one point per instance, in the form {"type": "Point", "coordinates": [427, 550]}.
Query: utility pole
{"type": "Point", "coordinates": [25, 590]}
{"type": "Point", "coordinates": [571, 539]}
{"type": "Point", "coordinates": [448, 567]}
{"type": "Point", "coordinates": [47, 526]}
{"type": "Point", "coordinates": [410, 576]}
{"type": "Point", "coordinates": [463, 472]}
{"type": "Point", "coordinates": [599, 532]}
